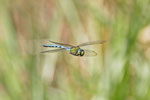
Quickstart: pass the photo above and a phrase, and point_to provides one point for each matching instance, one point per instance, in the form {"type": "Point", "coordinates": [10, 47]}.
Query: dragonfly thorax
{"type": "Point", "coordinates": [76, 51]}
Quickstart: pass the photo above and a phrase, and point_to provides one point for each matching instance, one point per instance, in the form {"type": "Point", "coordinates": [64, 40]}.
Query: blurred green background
{"type": "Point", "coordinates": [120, 71]}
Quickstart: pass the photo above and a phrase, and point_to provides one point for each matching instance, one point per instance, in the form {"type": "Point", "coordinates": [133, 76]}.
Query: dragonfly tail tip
{"type": "Point", "coordinates": [44, 45]}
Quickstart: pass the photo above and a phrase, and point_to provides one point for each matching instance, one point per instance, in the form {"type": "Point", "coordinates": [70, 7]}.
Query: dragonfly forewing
{"type": "Point", "coordinates": [68, 45]}
{"type": "Point", "coordinates": [92, 43]}
{"type": "Point", "coordinates": [89, 53]}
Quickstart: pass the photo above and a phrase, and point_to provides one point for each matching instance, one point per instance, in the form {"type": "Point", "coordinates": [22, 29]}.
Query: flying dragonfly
{"type": "Point", "coordinates": [74, 50]}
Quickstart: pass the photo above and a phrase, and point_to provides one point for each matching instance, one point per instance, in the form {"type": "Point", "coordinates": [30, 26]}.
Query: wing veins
{"type": "Point", "coordinates": [52, 51]}
{"type": "Point", "coordinates": [92, 42]}
{"type": "Point", "coordinates": [89, 53]}
{"type": "Point", "coordinates": [60, 43]}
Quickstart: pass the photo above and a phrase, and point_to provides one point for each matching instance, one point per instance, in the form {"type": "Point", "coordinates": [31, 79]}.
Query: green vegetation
{"type": "Point", "coordinates": [120, 71]}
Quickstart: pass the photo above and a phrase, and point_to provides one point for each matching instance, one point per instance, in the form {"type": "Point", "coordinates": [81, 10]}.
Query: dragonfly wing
{"type": "Point", "coordinates": [61, 43]}
{"type": "Point", "coordinates": [90, 53]}
{"type": "Point", "coordinates": [53, 51]}
{"type": "Point", "coordinates": [92, 42]}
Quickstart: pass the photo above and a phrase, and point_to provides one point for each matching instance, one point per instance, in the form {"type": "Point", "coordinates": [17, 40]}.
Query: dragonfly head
{"type": "Point", "coordinates": [81, 52]}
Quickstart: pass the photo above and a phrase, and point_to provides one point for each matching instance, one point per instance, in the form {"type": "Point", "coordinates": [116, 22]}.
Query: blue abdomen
{"type": "Point", "coordinates": [54, 46]}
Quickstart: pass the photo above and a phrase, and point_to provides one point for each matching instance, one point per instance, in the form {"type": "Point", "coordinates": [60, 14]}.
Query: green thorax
{"type": "Point", "coordinates": [74, 50]}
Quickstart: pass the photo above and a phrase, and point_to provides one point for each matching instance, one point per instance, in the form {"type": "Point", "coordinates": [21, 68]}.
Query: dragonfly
{"type": "Point", "coordinates": [74, 50]}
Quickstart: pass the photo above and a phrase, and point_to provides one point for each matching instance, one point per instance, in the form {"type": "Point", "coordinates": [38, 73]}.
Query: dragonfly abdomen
{"type": "Point", "coordinates": [54, 46]}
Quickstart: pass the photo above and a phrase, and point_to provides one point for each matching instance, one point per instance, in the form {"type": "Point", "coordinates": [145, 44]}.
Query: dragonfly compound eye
{"type": "Point", "coordinates": [81, 52]}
